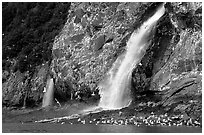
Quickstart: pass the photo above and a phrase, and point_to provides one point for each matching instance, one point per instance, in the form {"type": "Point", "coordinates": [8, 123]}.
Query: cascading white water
{"type": "Point", "coordinates": [48, 97]}
{"type": "Point", "coordinates": [115, 90]}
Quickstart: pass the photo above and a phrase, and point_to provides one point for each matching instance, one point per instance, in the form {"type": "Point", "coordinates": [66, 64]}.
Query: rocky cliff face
{"type": "Point", "coordinates": [171, 70]}
{"type": "Point", "coordinates": [22, 89]}
{"type": "Point", "coordinates": [95, 34]}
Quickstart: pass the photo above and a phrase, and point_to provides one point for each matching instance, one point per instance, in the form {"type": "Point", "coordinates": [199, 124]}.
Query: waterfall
{"type": "Point", "coordinates": [48, 97]}
{"type": "Point", "coordinates": [115, 89]}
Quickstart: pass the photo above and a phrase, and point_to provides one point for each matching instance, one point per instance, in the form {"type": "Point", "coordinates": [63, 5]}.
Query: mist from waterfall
{"type": "Point", "coordinates": [115, 90]}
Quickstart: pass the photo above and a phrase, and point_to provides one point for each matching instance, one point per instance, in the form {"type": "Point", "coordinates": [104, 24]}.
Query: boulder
{"type": "Point", "coordinates": [99, 42]}
{"type": "Point", "coordinates": [79, 13]}
{"type": "Point", "coordinates": [77, 38]}
{"type": "Point", "coordinates": [97, 20]}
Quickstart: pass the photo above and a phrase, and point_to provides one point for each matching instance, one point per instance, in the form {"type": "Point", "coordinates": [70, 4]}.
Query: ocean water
{"type": "Point", "coordinates": [91, 128]}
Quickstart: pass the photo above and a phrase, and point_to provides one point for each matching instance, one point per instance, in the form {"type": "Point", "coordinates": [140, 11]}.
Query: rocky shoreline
{"type": "Point", "coordinates": [142, 115]}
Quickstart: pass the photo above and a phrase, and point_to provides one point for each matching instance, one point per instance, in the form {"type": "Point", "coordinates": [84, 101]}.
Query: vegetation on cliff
{"type": "Point", "coordinates": [29, 30]}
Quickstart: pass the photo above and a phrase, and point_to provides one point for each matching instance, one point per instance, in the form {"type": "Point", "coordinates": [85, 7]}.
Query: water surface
{"type": "Point", "coordinates": [90, 128]}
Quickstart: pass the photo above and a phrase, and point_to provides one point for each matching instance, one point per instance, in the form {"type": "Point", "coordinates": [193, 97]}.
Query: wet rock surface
{"type": "Point", "coordinates": [146, 114]}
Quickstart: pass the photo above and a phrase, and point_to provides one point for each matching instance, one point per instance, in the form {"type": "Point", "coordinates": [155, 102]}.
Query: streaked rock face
{"type": "Point", "coordinates": [84, 51]}
{"type": "Point", "coordinates": [174, 63]}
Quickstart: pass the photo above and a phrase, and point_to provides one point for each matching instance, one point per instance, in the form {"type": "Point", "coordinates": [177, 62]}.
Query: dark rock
{"type": "Point", "coordinates": [58, 53]}
{"type": "Point", "coordinates": [79, 13]}
{"type": "Point", "coordinates": [63, 91]}
{"type": "Point", "coordinates": [121, 30]}
{"type": "Point", "coordinates": [77, 38]}
{"type": "Point", "coordinates": [186, 19]}
{"type": "Point", "coordinates": [121, 15]}
{"type": "Point", "coordinates": [198, 11]}
{"type": "Point", "coordinates": [84, 21]}
{"type": "Point", "coordinates": [98, 20]}
{"type": "Point", "coordinates": [67, 41]}
{"type": "Point", "coordinates": [5, 76]}
{"type": "Point", "coordinates": [99, 42]}
{"type": "Point", "coordinates": [77, 20]}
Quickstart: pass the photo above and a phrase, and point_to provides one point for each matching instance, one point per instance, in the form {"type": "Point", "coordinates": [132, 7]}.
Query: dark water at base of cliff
{"type": "Point", "coordinates": [90, 128]}
{"type": "Point", "coordinates": [25, 121]}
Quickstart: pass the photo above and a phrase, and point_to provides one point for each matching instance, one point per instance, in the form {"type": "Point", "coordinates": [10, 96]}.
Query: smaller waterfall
{"type": "Point", "coordinates": [115, 89]}
{"type": "Point", "coordinates": [48, 97]}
